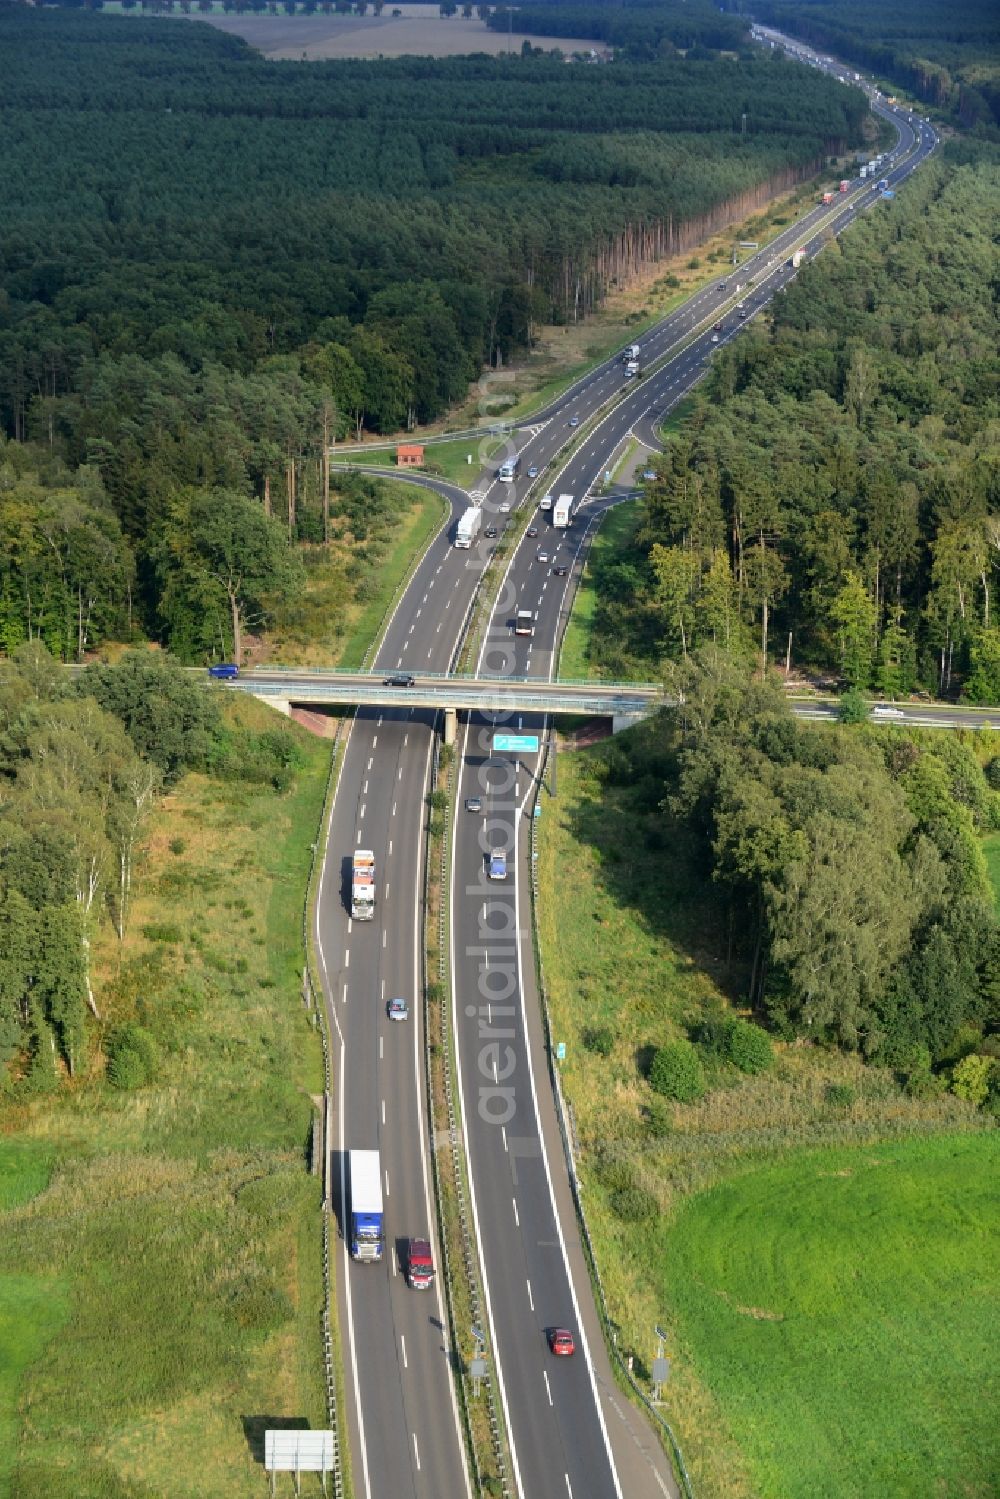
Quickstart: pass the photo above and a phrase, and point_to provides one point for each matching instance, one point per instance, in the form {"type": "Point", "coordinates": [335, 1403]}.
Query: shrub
{"type": "Point", "coordinates": [177, 845]}
{"type": "Point", "coordinates": [131, 1057]}
{"type": "Point", "coordinates": [970, 1079]}
{"type": "Point", "coordinates": [659, 1121]}
{"type": "Point", "coordinates": [599, 1039]}
{"type": "Point", "coordinates": [748, 1047]}
{"type": "Point", "coordinates": [840, 1095]}
{"type": "Point", "coordinates": [676, 1072]}
{"type": "Point", "coordinates": [633, 1204]}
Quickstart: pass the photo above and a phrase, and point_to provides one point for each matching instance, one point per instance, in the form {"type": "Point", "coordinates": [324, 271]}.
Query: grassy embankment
{"type": "Point", "coordinates": [160, 1275]}
{"type": "Point", "coordinates": [819, 1250]}
{"type": "Point", "coordinates": [350, 586]}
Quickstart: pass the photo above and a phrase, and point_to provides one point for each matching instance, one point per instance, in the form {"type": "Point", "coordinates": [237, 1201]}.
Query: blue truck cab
{"type": "Point", "coordinates": [366, 1220]}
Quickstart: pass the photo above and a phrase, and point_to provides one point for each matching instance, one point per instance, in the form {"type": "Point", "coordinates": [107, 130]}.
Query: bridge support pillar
{"type": "Point", "coordinates": [450, 725]}
{"type": "Point", "coordinates": [280, 705]}
{"type": "Point", "coordinates": [624, 721]}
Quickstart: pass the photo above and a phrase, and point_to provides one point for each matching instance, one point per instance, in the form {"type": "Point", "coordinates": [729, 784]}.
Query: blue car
{"type": "Point", "coordinates": [498, 866]}
{"type": "Point", "coordinates": [224, 670]}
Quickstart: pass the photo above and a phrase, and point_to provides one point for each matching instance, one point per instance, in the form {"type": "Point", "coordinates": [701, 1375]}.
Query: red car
{"type": "Point", "coordinates": [561, 1342]}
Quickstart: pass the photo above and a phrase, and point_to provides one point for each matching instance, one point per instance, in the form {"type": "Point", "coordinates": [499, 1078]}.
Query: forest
{"type": "Point", "coordinates": [841, 872]}
{"type": "Point", "coordinates": [834, 498]}
{"type": "Point", "coordinates": [639, 28]}
{"type": "Point", "coordinates": [948, 55]}
{"type": "Point", "coordinates": [210, 264]}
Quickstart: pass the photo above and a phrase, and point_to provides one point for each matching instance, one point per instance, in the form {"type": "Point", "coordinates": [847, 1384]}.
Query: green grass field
{"type": "Point", "coordinates": [991, 848]}
{"type": "Point", "coordinates": [844, 1308]}
{"type": "Point", "coordinates": [446, 460]}
{"type": "Point", "coordinates": [640, 952]}
{"type": "Point", "coordinates": [161, 1290]}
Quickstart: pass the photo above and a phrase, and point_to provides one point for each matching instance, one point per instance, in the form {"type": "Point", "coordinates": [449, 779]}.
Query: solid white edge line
{"type": "Point", "coordinates": [468, 1163]}
{"type": "Point", "coordinates": [424, 1141]}
{"type": "Point", "coordinates": [525, 934]}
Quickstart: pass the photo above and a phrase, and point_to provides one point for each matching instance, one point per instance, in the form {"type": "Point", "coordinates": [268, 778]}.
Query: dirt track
{"type": "Point", "coordinates": [311, 38]}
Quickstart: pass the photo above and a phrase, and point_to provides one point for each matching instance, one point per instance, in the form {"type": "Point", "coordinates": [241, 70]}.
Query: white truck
{"type": "Point", "coordinates": [367, 1232]}
{"type": "Point", "coordinates": [468, 526]}
{"type": "Point", "coordinates": [546, 502]}
{"type": "Point", "coordinates": [524, 622]}
{"type": "Point", "coordinates": [363, 884]}
{"type": "Point", "coordinates": [631, 354]}
{"type": "Point", "coordinates": [562, 514]}
{"type": "Point", "coordinates": [797, 258]}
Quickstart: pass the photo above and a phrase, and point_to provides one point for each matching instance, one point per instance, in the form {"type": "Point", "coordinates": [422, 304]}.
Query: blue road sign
{"type": "Point", "coordinates": [517, 744]}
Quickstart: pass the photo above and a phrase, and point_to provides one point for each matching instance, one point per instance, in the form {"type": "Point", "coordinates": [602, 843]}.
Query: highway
{"type": "Point", "coordinates": [402, 1418]}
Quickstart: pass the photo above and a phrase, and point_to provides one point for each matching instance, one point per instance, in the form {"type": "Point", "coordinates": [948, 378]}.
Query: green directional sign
{"type": "Point", "coordinates": [515, 744]}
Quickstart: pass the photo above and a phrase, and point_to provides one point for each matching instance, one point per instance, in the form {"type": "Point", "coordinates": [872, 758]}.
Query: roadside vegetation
{"type": "Point", "coordinates": [160, 1267]}
{"type": "Point", "coordinates": [800, 1209]}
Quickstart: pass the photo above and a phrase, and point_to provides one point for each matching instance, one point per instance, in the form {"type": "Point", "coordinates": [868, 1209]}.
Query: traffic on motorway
{"type": "Point", "coordinates": [569, 1433]}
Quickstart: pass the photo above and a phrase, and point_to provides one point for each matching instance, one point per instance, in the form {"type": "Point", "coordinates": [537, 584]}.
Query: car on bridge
{"type": "Point", "coordinates": [400, 679]}
{"type": "Point", "coordinates": [224, 671]}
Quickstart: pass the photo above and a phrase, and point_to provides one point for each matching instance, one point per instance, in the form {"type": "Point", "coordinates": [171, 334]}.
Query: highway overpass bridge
{"type": "Point", "coordinates": [500, 697]}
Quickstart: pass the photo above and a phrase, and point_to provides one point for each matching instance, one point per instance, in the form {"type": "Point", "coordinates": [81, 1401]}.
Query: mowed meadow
{"type": "Point", "coordinates": [160, 1260]}
{"type": "Point", "coordinates": [819, 1245]}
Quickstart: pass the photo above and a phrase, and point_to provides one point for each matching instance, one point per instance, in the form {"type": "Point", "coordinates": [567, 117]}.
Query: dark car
{"type": "Point", "coordinates": [560, 570]}
{"type": "Point", "coordinates": [561, 1342]}
{"type": "Point", "coordinates": [490, 533]}
{"type": "Point", "coordinates": [533, 471]}
{"type": "Point", "coordinates": [718, 327]}
{"type": "Point", "coordinates": [574, 421]}
{"type": "Point", "coordinates": [225, 670]}
{"type": "Point", "coordinates": [531, 531]}
{"type": "Point", "coordinates": [399, 679]}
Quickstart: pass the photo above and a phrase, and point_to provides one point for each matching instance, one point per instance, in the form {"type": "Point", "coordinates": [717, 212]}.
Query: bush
{"type": "Point", "coordinates": [970, 1079]}
{"type": "Point", "coordinates": [840, 1095]}
{"type": "Point", "coordinates": [676, 1072]}
{"type": "Point", "coordinates": [748, 1047]}
{"type": "Point", "coordinates": [599, 1039]}
{"type": "Point", "coordinates": [659, 1120]}
{"type": "Point", "coordinates": [633, 1204]}
{"type": "Point", "coordinates": [131, 1057]}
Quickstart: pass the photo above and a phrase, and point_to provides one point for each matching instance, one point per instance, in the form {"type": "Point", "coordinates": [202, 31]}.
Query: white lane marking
{"type": "Point", "coordinates": [380, 1044]}
{"type": "Point", "coordinates": [371, 759]}
{"type": "Point", "coordinates": [350, 925]}
{"type": "Point", "coordinates": [363, 807]}
{"type": "Point", "coordinates": [516, 1218]}
{"type": "Point", "coordinates": [384, 936]}
{"type": "Point", "coordinates": [392, 1261]}
{"type": "Point", "coordinates": [383, 988]}
{"type": "Point", "coordinates": [394, 809]}
{"type": "Point", "coordinates": [387, 1182]}
{"type": "Point", "coordinates": [383, 1111]}
{"type": "Point", "coordinates": [406, 740]}
{"type": "Point", "coordinates": [343, 998]}
{"type": "Point", "coordinates": [416, 1453]}
{"type": "Point", "coordinates": [390, 848]}
{"type": "Point", "coordinates": [568, 1489]}
{"type": "Point", "coordinates": [418, 613]}
{"type": "Point", "coordinates": [400, 776]}
{"type": "Point", "coordinates": [548, 1392]}
{"type": "Point", "coordinates": [531, 1299]}
{"type": "Point", "coordinates": [364, 791]}
{"type": "Point", "coordinates": [503, 1131]}
{"type": "Point", "coordinates": [402, 1339]}
{"type": "Point", "coordinates": [387, 889]}
{"type": "Point", "coordinates": [359, 838]}
{"type": "Point", "coordinates": [347, 957]}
